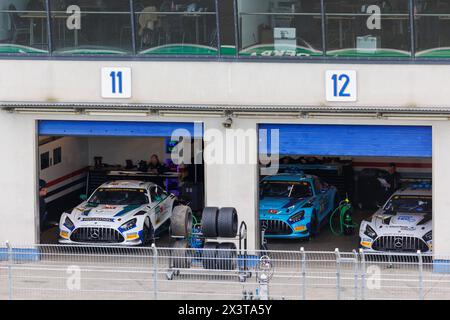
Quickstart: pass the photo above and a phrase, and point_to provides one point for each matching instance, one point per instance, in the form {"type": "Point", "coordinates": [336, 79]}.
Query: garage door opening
{"type": "Point", "coordinates": [77, 157]}
{"type": "Point", "coordinates": [365, 164]}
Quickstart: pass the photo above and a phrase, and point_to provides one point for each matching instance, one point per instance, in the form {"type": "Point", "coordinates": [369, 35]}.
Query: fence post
{"type": "Point", "coordinates": [363, 274]}
{"type": "Point", "coordinates": [419, 256]}
{"type": "Point", "coordinates": [338, 273]}
{"type": "Point", "coordinates": [303, 267]}
{"type": "Point", "coordinates": [155, 272]}
{"type": "Point", "coordinates": [356, 274]}
{"type": "Point", "coordinates": [10, 278]}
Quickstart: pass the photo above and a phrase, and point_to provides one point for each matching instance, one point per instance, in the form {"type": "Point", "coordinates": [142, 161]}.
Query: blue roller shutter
{"type": "Point", "coordinates": [117, 128]}
{"type": "Point", "coordinates": [351, 140]}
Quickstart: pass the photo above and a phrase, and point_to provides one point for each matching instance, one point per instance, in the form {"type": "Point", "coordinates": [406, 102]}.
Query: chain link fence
{"type": "Point", "coordinates": [87, 272]}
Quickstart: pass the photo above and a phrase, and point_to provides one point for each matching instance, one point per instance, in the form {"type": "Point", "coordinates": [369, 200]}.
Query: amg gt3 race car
{"type": "Point", "coordinates": [294, 205]}
{"type": "Point", "coordinates": [119, 212]}
{"type": "Point", "coordinates": [403, 224]}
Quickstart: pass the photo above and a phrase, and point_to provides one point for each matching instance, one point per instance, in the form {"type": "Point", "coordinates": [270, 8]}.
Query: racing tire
{"type": "Point", "coordinates": [181, 221]}
{"type": "Point", "coordinates": [227, 223]}
{"type": "Point", "coordinates": [181, 256]}
{"type": "Point", "coordinates": [209, 256]}
{"type": "Point", "coordinates": [209, 222]}
{"type": "Point", "coordinates": [148, 233]}
{"type": "Point", "coordinates": [226, 256]}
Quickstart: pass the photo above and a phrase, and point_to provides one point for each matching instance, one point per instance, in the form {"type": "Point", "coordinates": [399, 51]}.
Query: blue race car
{"type": "Point", "coordinates": [294, 206]}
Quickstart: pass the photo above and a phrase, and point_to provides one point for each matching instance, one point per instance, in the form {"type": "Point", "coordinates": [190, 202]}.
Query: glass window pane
{"type": "Point", "coordinates": [23, 27]}
{"type": "Point", "coordinates": [280, 28]}
{"type": "Point", "coordinates": [432, 21]}
{"type": "Point", "coordinates": [177, 27]}
{"type": "Point", "coordinates": [361, 28]}
{"type": "Point", "coordinates": [91, 26]}
{"type": "Point", "coordinates": [227, 28]}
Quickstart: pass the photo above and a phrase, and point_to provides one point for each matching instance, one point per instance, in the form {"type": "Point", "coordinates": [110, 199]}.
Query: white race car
{"type": "Point", "coordinates": [120, 213]}
{"type": "Point", "coordinates": [403, 224]}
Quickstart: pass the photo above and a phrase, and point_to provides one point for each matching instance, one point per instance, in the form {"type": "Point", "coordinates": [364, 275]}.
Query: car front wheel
{"type": "Point", "coordinates": [147, 233]}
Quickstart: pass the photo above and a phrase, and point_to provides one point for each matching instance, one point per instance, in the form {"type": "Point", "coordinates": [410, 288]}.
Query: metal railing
{"type": "Point", "coordinates": [109, 272]}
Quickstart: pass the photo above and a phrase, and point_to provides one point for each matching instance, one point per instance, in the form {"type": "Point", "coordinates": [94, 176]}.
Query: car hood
{"type": "Point", "coordinates": [402, 219]}
{"type": "Point", "coordinates": [105, 211]}
{"type": "Point", "coordinates": [268, 203]}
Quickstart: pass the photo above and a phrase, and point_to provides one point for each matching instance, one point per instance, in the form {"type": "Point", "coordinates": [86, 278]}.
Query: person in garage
{"type": "Point", "coordinates": [42, 204]}
{"type": "Point", "coordinates": [155, 166]}
{"type": "Point", "coordinates": [393, 178]}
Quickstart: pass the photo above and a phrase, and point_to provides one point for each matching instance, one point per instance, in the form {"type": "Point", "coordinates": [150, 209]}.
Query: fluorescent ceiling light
{"type": "Point", "coordinates": [216, 114]}
{"type": "Point", "coordinates": [46, 111]}
{"type": "Point", "coordinates": [129, 113]}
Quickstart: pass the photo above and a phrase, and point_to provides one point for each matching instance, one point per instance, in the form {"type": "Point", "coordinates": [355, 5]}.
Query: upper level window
{"type": "Point", "coordinates": [432, 21]}
{"type": "Point", "coordinates": [176, 27]}
{"type": "Point", "coordinates": [91, 26]}
{"type": "Point", "coordinates": [280, 28]}
{"type": "Point", "coordinates": [368, 28]}
{"type": "Point", "coordinates": [23, 27]}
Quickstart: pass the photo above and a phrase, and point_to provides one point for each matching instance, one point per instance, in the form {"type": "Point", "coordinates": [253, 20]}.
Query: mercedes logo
{"type": "Point", "coordinates": [95, 233]}
{"type": "Point", "coordinates": [398, 242]}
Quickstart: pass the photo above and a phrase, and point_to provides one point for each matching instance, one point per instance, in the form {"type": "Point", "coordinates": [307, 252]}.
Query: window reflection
{"type": "Point", "coordinates": [23, 27]}
{"type": "Point", "coordinates": [280, 28]}
{"type": "Point", "coordinates": [91, 26]}
{"type": "Point", "coordinates": [376, 28]}
{"type": "Point", "coordinates": [432, 20]}
{"type": "Point", "coordinates": [176, 27]}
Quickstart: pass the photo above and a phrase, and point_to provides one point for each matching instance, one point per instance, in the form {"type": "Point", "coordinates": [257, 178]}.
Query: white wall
{"type": "Point", "coordinates": [18, 197]}
{"type": "Point", "coordinates": [228, 83]}
{"type": "Point", "coordinates": [74, 157]}
{"type": "Point", "coordinates": [118, 150]}
{"type": "Point", "coordinates": [441, 187]}
{"type": "Point", "coordinates": [234, 185]}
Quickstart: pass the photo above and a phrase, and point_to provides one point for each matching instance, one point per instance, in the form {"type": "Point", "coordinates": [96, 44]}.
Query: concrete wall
{"type": "Point", "coordinates": [117, 150]}
{"type": "Point", "coordinates": [229, 83]}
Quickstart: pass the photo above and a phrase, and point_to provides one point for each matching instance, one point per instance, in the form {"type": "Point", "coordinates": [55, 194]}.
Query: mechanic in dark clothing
{"type": "Point", "coordinates": [42, 204]}
{"type": "Point", "coordinates": [155, 166]}
{"type": "Point", "coordinates": [394, 178]}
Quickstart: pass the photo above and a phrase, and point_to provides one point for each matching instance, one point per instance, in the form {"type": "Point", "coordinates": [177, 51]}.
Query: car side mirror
{"type": "Point", "coordinates": [83, 197]}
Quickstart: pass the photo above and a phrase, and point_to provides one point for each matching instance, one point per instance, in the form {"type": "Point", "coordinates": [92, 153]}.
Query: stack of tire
{"type": "Point", "coordinates": [181, 228]}
{"type": "Point", "coordinates": [219, 223]}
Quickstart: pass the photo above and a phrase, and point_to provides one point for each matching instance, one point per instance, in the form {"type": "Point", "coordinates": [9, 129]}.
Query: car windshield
{"type": "Point", "coordinates": [411, 204]}
{"type": "Point", "coordinates": [119, 196]}
{"type": "Point", "coordinates": [286, 189]}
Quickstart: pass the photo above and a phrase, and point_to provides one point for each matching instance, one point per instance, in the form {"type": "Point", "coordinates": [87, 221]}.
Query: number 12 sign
{"type": "Point", "coordinates": [116, 83]}
{"type": "Point", "coordinates": [341, 85]}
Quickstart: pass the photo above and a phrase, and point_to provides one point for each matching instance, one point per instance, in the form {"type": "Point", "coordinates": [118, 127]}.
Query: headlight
{"type": "Point", "coordinates": [370, 232]}
{"type": "Point", "coordinates": [428, 236]}
{"type": "Point", "coordinates": [297, 217]}
{"type": "Point", "coordinates": [69, 224]}
{"type": "Point", "coordinates": [128, 225]}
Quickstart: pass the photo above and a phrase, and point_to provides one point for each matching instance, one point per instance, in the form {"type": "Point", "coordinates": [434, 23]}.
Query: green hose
{"type": "Point", "coordinates": [342, 208]}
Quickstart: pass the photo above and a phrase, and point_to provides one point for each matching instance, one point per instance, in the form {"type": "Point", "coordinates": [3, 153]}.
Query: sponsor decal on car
{"type": "Point", "coordinates": [98, 219]}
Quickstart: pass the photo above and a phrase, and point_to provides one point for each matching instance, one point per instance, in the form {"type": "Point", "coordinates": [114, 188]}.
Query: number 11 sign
{"type": "Point", "coordinates": [116, 83]}
{"type": "Point", "coordinates": [341, 85]}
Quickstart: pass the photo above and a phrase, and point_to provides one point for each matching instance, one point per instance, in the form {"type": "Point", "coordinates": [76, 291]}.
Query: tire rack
{"type": "Point", "coordinates": [243, 272]}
